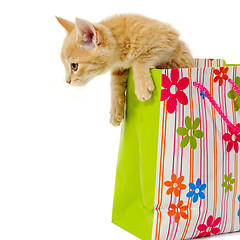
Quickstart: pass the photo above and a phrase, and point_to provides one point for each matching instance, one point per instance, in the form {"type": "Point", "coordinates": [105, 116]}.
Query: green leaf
{"type": "Point", "coordinates": [224, 184]}
{"type": "Point", "coordinates": [196, 123]}
{"type": "Point", "coordinates": [193, 142]}
{"type": "Point", "coordinates": [230, 177]}
{"type": "Point", "coordinates": [232, 94]}
{"type": "Point", "coordinates": [237, 81]}
{"type": "Point", "coordinates": [226, 177]}
{"type": "Point", "coordinates": [230, 187]}
{"type": "Point", "coordinates": [226, 189]}
{"type": "Point", "coordinates": [198, 134]}
{"type": "Point", "coordinates": [182, 131]}
{"type": "Point", "coordinates": [232, 181]}
{"type": "Point", "coordinates": [184, 142]}
{"type": "Point", "coordinates": [188, 122]}
{"type": "Point", "coordinates": [237, 104]}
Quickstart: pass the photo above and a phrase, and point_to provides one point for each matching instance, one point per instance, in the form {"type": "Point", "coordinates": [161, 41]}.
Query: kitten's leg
{"type": "Point", "coordinates": [118, 89]}
{"type": "Point", "coordinates": [142, 79]}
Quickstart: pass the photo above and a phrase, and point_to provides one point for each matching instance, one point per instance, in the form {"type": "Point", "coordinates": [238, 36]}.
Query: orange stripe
{"type": "Point", "coordinates": [158, 208]}
{"type": "Point", "coordinates": [191, 156]}
{"type": "Point", "coordinates": [164, 147]}
{"type": "Point", "coordinates": [235, 164]}
{"type": "Point", "coordinates": [196, 62]}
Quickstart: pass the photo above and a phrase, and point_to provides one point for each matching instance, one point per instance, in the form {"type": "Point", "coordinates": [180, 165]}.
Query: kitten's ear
{"type": "Point", "coordinates": [69, 26]}
{"type": "Point", "coordinates": [88, 34]}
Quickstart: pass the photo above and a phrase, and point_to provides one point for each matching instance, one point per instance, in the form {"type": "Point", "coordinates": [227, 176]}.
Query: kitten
{"type": "Point", "coordinates": [116, 44]}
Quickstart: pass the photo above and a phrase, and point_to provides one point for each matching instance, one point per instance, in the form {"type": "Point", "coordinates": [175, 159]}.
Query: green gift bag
{"type": "Point", "coordinates": [178, 167]}
{"type": "Point", "coordinates": [136, 171]}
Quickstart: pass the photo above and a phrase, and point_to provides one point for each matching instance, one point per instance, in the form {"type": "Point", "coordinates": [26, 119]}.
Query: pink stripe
{"type": "Point", "coordinates": [201, 160]}
{"type": "Point", "coordinates": [178, 142]}
{"type": "Point", "coordinates": [204, 155]}
{"type": "Point", "coordinates": [205, 211]}
{"type": "Point", "coordinates": [223, 206]}
{"type": "Point", "coordinates": [173, 198]}
{"type": "Point", "coordinates": [176, 168]}
{"type": "Point", "coordinates": [227, 172]}
{"type": "Point", "coordinates": [225, 197]}
{"type": "Point", "coordinates": [224, 223]}
{"type": "Point", "coordinates": [206, 134]}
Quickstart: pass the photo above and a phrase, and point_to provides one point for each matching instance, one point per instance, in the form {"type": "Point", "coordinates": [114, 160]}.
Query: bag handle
{"type": "Point", "coordinates": [211, 100]}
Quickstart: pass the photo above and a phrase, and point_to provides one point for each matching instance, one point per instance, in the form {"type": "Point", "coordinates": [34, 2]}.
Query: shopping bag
{"type": "Point", "coordinates": [178, 167]}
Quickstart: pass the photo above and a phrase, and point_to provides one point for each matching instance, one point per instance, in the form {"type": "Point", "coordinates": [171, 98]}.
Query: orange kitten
{"type": "Point", "coordinates": [116, 44]}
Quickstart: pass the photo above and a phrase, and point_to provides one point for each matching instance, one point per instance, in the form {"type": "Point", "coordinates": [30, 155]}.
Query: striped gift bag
{"type": "Point", "coordinates": [178, 167]}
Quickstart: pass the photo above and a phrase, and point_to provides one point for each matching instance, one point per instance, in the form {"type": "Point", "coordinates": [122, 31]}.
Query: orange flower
{"type": "Point", "coordinates": [221, 75]}
{"type": "Point", "coordinates": [178, 211]}
{"type": "Point", "coordinates": [175, 185]}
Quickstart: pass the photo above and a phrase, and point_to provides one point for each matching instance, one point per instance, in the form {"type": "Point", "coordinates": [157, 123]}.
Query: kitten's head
{"type": "Point", "coordinates": [88, 50]}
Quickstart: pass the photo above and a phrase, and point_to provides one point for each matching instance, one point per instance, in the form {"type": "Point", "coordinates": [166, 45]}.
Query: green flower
{"type": "Point", "coordinates": [228, 182]}
{"type": "Point", "coordinates": [190, 132]}
{"type": "Point", "coordinates": [233, 95]}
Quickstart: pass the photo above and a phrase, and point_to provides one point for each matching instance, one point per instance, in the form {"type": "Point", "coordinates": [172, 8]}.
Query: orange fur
{"type": "Point", "coordinates": [116, 44]}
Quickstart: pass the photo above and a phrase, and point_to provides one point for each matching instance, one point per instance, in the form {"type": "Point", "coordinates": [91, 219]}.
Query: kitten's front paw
{"type": "Point", "coordinates": [117, 113]}
{"type": "Point", "coordinates": [144, 89]}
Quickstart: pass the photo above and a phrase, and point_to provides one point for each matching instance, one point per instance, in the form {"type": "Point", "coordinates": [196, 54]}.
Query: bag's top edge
{"type": "Point", "coordinates": [214, 63]}
{"type": "Point", "coordinates": [227, 65]}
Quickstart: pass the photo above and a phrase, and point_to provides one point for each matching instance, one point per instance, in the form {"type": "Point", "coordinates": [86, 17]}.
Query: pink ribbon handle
{"type": "Point", "coordinates": [211, 100]}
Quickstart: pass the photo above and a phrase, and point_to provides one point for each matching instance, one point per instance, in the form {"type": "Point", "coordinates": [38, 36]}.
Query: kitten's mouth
{"type": "Point", "coordinates": [78, 82]}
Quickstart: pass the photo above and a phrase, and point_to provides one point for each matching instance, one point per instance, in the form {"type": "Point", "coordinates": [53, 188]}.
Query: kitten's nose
{"type": "Point", "coordinates": [68, 80]}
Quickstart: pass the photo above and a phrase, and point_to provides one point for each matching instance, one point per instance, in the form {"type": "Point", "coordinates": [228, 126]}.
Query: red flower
{"type": "Point", "coordinates": [221, 75]}
{"type": "Point", "coordinates": [178, 211]}
{"type": "Point", "coordinates": [210, 228]}
{"type": "Point", "coordinates": [174, 90]}
{"type": "Point", "coordinates": [175, 185]}
{"type": "Point", "coordinates": [232, 138]}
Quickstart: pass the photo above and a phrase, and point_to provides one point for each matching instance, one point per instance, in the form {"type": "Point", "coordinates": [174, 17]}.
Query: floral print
{"type": "Point", "coordinates": [232, 138]}
{"type": "Point", "coordinates": [221, 74]}
{"type": "Point", "coordinates": [173, 90]}
{"type": "Point", "coordinates": [202, 94]}
{"type": "Point", "coordinates": [197, 190]}
{"type": "Point", "coordinates": [210, 228]}
{"type": "Point", "coordinates": [234, 96]}
{"type": "Point", "coordinates": [175, 185]}
{"type": "Point", "coordinates": [227, 184]}
{"type": "Point", "coordinates": [178, 211]}
{"type": "Point", "coordinates": [190, 132]}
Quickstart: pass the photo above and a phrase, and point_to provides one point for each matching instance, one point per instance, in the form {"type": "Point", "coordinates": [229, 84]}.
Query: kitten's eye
{"type": "Point", "coordinates": [74, 67]}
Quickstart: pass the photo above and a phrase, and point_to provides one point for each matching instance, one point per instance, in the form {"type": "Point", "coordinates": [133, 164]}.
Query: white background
{"type": "Point", "coordinates": [58, 152]}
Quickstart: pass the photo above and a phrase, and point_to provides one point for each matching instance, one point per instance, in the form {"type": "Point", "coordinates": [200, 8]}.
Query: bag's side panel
{"type": "Point", "coordinates": [136, 170]}
{"type": "Point", "coordinates": [197, 187]}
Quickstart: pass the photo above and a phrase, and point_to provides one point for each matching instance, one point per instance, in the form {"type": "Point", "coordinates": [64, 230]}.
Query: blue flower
{"type": "Point", "coordinates": [202, 94]}
{"type": "Point", "coordinates": [239, 208]}
{"type": "Point", "coordinates": [197, 190]}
